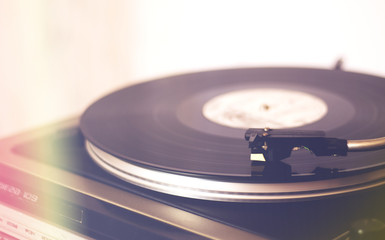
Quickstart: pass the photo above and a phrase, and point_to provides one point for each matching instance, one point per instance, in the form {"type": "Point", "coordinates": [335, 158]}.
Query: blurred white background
{"type": "Point", "coordinates": [58, 56]}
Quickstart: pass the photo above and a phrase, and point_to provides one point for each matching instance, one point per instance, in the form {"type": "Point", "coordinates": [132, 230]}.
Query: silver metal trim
{"type": "Point", "coordinates": [33, 170]}
{"type": "Point", "coordinates": [201, 188]}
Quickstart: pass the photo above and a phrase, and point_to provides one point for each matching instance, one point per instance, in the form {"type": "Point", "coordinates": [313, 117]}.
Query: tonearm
{"type": "Point", "coordinates": [277, 144]}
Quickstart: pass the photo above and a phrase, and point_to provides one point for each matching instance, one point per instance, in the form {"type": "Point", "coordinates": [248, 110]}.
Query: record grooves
{"type": "Point", "coordinates": [159, 127]}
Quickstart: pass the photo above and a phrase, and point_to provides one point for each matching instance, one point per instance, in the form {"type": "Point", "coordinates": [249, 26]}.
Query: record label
{"type": "Point", "coordinates": [265, 107]}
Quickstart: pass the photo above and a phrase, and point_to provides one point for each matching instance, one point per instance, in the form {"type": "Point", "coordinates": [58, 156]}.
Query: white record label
{"type": "Point", "coordinates": [265, 107]}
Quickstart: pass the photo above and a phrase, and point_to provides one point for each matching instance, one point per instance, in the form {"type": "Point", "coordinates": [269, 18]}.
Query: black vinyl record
{"type": "Point", "coordinates": [160, 125]}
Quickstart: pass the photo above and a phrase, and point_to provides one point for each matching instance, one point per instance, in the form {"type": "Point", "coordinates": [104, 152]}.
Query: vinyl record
{"type": "Point", "coordinates": [184, 135]}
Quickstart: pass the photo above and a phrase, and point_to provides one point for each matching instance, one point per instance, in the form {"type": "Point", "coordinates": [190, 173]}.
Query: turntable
{"type": "Point", "coordinates": [252, 153]}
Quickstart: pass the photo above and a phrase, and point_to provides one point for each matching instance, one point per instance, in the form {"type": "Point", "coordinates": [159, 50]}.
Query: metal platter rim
{"type": "Point", "coordinates": [216, 190]}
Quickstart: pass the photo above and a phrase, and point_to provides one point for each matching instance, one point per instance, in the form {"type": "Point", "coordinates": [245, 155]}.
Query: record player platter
{"type": "Point", "coordinates": [184, 135]}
